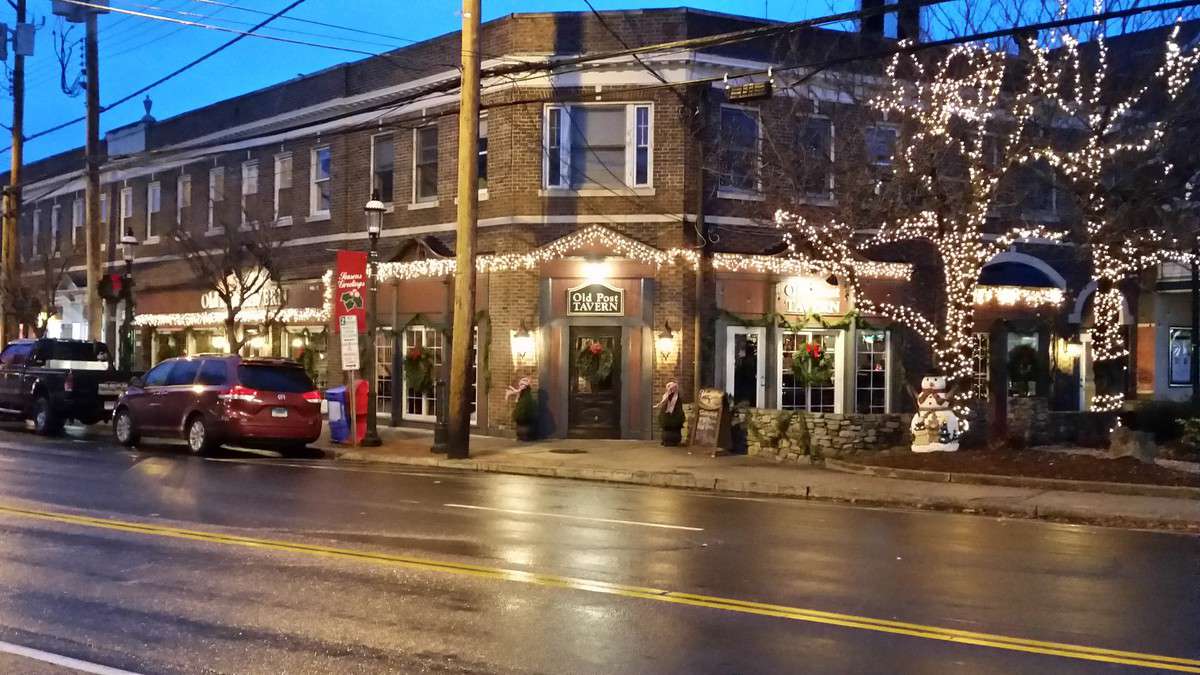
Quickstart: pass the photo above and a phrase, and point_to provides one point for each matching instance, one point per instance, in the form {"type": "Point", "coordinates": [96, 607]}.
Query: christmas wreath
{"type": "Point", "coordinates": [418, 369]}
{"type": "Point", "coordinates": [812, 367]}
{"type": "Point", "coordinates": [594, 362]}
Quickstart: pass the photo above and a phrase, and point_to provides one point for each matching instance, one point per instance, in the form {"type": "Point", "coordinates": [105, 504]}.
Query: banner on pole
{"type": "Point", "coordinates": [350, 288]}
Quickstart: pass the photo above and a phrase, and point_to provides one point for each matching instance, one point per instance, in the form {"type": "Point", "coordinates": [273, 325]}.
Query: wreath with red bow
{"type": "Point", "coordinates": [812, 367]}
{"type": "Point", "coordinates": [594, 362]}
{"type": "Point", "coordinates": [418, 369]}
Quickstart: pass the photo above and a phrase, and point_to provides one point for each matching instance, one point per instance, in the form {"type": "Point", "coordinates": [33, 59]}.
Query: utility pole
{"type": "Point", "coordinates": [92, 165]}
{"type": "Point", "coordinates": [12, 193]}
{"type": "Point", "coordinates": [459, 417]}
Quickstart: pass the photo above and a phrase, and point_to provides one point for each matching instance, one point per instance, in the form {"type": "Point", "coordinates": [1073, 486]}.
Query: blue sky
{"type": "Point", "coordinates": [136, 51]}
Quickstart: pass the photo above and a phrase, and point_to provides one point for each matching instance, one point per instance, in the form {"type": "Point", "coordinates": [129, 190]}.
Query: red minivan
{"type": "Point", "coordinates": [211, 400]}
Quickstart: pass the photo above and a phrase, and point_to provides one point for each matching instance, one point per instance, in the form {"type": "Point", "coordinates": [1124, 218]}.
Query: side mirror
{"type": "Point", "coordinates": [137, 382]}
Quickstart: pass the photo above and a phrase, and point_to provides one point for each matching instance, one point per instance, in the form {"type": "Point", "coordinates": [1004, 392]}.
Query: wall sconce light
{"type": "Point", "coordinates": [666, 342]}
{"type": "Point", "coordinates": [522, 344]}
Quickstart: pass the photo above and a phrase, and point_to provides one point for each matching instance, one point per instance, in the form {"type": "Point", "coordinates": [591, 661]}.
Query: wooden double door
{"type": "Point", "coordinates": [594, 404]}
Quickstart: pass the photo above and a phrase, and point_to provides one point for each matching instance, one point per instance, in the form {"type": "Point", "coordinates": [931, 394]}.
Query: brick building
{"type": "Point", "coordinates": [591, 183]}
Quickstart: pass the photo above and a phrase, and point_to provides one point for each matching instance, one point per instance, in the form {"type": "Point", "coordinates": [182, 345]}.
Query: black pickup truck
{"type": "Point", "coordinates": [52, 381]}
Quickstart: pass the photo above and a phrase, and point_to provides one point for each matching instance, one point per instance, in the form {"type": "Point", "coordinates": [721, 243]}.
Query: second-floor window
{"type": "Point", "coordinates": [321, 193]}
{"type": "Point", "coordinates": [126, 204]}
{"type": "Point", "coordinates": [76, 221]}
{"type": "Point", "coordinates": [383, 167]}
{"type": "Point", "coordinates": [249, 188]}
{"type": "Point", "coordinates": [283, 187]}
{"type": "Point", "coordinates": [216, 195]}
{"type": "Point", "coordinates": [37, 233]}
{"type": "Point", "coordinates": [1042, 197]}
{"type": "Point", "coordinates": [183, 197]}
{"type": "Point", "coordinates": [881, 144]}
{"type": "Point", "coordinates": [598, 146]}
{"type": "Point", "coordinates": [153, 206]}
{"type": "Point", "coordinates": [816, 157]}
{"type": "Point", "coordinates": [741, 146]}
{"type": "Point", "coordinates": [483, 153]}
{"type": "Point", "coordinates": [104, 209]}
{"type": "Point", "coordinates": [55, 219]}
{"type": "Point", "coordinates": [425, 164]}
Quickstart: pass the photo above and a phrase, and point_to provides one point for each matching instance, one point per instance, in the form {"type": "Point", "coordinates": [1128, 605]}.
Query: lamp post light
{"type": "Point", "coordinates": [128, 244]}
{"type": "Point", "coordinates": [374, 210]}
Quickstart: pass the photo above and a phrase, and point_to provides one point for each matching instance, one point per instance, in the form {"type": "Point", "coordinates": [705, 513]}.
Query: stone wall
{"type": "Point", "coordinates": [788, 436]}
{"type": "Point", "coordinates": [1029, 420]}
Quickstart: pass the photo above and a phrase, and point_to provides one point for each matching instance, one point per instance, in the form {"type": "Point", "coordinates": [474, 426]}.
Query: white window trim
{"type": "Point", "coordinates": [213, 173]}
{"type": "Point", "coordinates": [390, 199]}
{"type": "Point", "coordinates": [755, 195]}
{"type": "Point", "coordinates": [426, 202]}
{"type": "Point", "coordinates": [829, 197]}
{"type": "Point", "coordinates": [400, 385]}
{"type": "Point", "coordinates": [839, 367]}
{"type": "Point", "coordinates": [483, 117]}
{"type": "Point", "coordinates": [126, 204]}
{"type": "Point", "coordinates": [563, 187]}
{"type": "Point", "coordinates": [314, 193]}
{"type": "Point", "coordinates": [37, 232]}
{"type": "Point", "coordinates": [152, 188]}
{"type": "Point", "coordinates": [78, 213]}
{"type": "Point", "coordinates": [104, 211]}
{"type": "Point", "coordinates": [760, 387]}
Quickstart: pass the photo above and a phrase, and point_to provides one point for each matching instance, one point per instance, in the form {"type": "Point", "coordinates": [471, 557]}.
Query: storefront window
{"type": "Point", "coordinates": [168, 345]}
{"type": "Point", "coordinates": [308, 346]}
{"type": "Point", "coordinates": [870, 374]}
{"type": "Point", "coordinates": [810, 397]}
{"type": "Point", "coordinates": [1180, 353]}
{"type": "Point", "coordinates": [422, 406]}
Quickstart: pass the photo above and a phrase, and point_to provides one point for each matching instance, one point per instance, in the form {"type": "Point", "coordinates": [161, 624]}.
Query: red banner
{"type": "Point", "coordinates": [350, 288]}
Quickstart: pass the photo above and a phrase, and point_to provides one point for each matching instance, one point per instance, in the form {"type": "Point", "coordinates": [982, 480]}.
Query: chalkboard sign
{"type": "Point", "coordinates": [710, 413]}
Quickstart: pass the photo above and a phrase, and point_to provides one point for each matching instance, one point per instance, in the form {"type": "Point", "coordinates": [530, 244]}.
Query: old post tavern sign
{"type": "Point", "coordinates": [595, 300]}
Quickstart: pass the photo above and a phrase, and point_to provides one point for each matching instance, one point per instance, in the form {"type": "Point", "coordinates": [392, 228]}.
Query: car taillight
{"type": "Point", "coordinates": [69, 382]}
{"type": "Point", "coordinates": [312, 396]}
{"type": "Point", "coordinates": [240, 393]}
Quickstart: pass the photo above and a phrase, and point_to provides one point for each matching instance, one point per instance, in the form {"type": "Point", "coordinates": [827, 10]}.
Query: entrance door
{"type": "Point", "coordinates": [594, 409]}
{"type": "Point", "coordinates": [745, 365]}
{"type": "Point", "coordinates": [1087, 374]}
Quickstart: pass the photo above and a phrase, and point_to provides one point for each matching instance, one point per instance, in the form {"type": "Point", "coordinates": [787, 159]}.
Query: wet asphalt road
{"type": "Point", "coordinates": [162, 604]}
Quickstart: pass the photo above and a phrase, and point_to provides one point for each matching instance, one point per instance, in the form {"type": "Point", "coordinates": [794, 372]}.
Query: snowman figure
{"type": "Point", "coordinates": [935, 426]}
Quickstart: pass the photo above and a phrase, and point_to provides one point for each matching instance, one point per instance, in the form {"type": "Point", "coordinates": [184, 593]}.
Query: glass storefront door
{"type": "Point", "coordinates": [745, 365]}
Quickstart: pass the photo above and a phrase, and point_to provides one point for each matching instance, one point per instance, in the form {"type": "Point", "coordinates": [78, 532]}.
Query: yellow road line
{"type": "Point", "coordinates": [1017, 644]}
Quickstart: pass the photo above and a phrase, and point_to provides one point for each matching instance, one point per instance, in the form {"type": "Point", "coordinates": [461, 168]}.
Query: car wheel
{"type": "Point", "coordinates": [123, 429]}
{"type": "Point", "coordinates": [45, 421]}
{"type": "Point", "coordinates": [199, 440]}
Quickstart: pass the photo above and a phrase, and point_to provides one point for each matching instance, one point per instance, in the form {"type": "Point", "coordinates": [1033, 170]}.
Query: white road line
{"type": "Point", "coordinates": [570, 517]}
{"type": "Point", "coordinates": [64, 661]}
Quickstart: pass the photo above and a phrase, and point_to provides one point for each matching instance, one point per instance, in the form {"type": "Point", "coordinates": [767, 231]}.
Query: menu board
{"type": "Point", "coordinates": [710, 415]}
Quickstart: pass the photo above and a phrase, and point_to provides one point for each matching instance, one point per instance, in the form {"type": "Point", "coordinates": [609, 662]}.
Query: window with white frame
{"type": "Point", "coordinates": [871, 372]}
{"type": "Point", "coordinates": [216, 195]}
{"type": "Point", "coordinates": [55, 222]}
{"type": "Point", "coordinates": [104, 209]}
{"type": "Point", "coordinates": [283, 188]}
{"type": "Point", "coordinates": [816, 157]}
{"type": "Point", "coordinates": [126, 205]}
{"type": "Point", "coordinates": [741, 145]}
{"type": "Point", "coordinates": [76, 221]}
{"type": "Point", "coordinates": [795, 394]}
{"type": "Point", "coordinates": [385, 348]}
{"type": "Point", "coordinates": [603, 146]}
{"type": "Point", "coordinates": [1179, 353]}
{"type": "Point", "coordinates": [422, 406]}
{"type": "Point", "coordinates": [320, 196]}
{"type": "Point", "coordinates": [249, 188]}
{"type": "Point", "coordinates": [383, 167]}
{"type": "Point", "coordinates": [881, 145]}
{"type": "Point", "coordinates": [183, 197]}
{"type": "Point", "coordinates": [482, 152]}
{"type": "Point", "coordinates": [981, 366]}
{"type": "Point", "coordinates": [1042, 196]}
{"type": "Point", "coordinates": [153, 206]}
{"type": "Point", "coordinates": [425, 164]}
{"type": "Point", "coordinates": [34, 241]}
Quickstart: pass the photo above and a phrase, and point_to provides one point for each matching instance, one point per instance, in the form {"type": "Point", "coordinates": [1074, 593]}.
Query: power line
{"type": "Point", "coordinates": [314, 22]}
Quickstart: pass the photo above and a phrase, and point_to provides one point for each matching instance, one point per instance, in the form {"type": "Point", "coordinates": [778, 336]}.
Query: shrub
{"type": "Point", "coordinates": [1161, 418]}
{"type": "Point", "coordinates": [525, 411]}
{"type": "Point", "coordinates": [1190, 435]}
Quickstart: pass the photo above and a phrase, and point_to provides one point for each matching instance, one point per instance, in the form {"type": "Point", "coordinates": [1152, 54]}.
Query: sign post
{"type": "Point", "coordinates": [348, 329]}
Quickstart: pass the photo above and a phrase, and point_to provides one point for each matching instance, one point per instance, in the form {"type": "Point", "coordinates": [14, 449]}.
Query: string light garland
{"type": "Point", "coordinates": [1023, 296]}
{"type": "Point", "coordinates": [289, 315]}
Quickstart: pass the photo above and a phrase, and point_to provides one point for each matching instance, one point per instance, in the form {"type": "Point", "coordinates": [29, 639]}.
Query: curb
{"type": "Point", "coordinates": [684, 480]}
{"type": "Point", "coordinates": [1097, 487]}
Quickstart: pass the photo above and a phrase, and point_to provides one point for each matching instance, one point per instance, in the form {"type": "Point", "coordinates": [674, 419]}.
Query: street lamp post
{"type": "Point", "coordinates": [374, 210]}
{"type": "Point", "coordinates": [128, 243]}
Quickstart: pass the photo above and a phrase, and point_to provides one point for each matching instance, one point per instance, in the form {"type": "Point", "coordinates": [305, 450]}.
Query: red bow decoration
{"type": "Point", "coordinates": [595, 348]}
{"type": "Point", "coordinates": [813, 349]}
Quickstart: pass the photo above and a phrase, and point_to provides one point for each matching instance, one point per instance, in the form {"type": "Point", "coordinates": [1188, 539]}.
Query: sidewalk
{"type": "Point", "coordinates": [648, 463]}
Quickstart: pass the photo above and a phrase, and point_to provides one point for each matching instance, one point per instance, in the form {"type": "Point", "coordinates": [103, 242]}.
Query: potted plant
{"type": "Point", "coordinates": [670, 416]}
{"type": "Point", "coordinates": [525, 411]}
